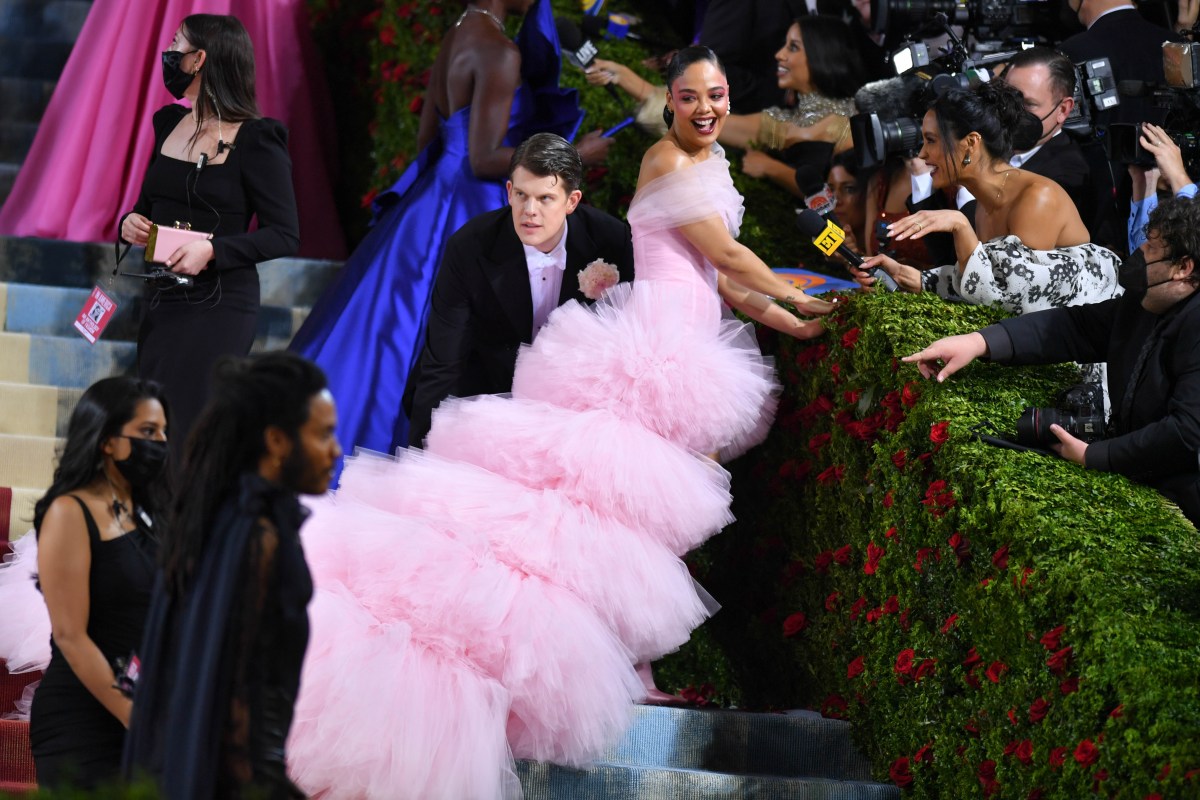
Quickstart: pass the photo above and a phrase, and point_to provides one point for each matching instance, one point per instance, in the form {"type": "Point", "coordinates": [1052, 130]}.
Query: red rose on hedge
{"type": "Point", "coordinates": [831, 602]}
{"type": "Point", "coordinates": [972, 660]}
{"type": "Point", "coordinates": [850, 338]}
{"type": "Point", "coordinates": [822, 561]}
{"type": "Point", "coordinates": [842, 555]}
{"type": "Point", "coordinates": [925, 754]}
{"type": "Point", "coordinates": [890, 533]}
{"type": "Point", "coordinates": [794, 624]}
{"type": "Point", "coordinates": [817, 442]}
{"type": "Point", "coordinates": [925, 669]}
{"type": "Point", "coordinates": [834, 706]}
{"type": "Point", "coordinates": [1059, 661]}
{"type": "Point", "coordinates": [857, 608]}
{"type": "Point", "coordinates": [987, 778]}
{"type": "Point", "coordinates": [855, 668]}
{"type": "Point", "coordinates": [1057, 756]}
{"type": "Point", "coordinates": [910, 394]}
{"type": "Point", "coordinates": [900, 459]}
{"type": "Point", "coordinates": [1086, 753]}
{"type": "Point", "coordinates": [1024, 752]}
{"type": "Point", "coordinates": [874, 554]}
{"type": "Point", "coordinates": [1038, 710]}
{"type": "Point", "coordinates": [899, 773]}
{"type": "Point", "coordinates": [961, 546]}
{"type": "Point", "coordinates": [833, 474]}
{"type": "Point", "coordinates": [904, 661]}
{"type": "Point", "coordinates": [995, 670]}
{"type": "Point", "coordinates": [887, 500]}
{"type": "Point", "coordinates": [1000, 558]}
{"type": "Point", "coordinates": [1050, 639]}
{"type": "Point", "coordinates": [1069, 686]}
{"type": "Point", "coordinates": [939, 433]}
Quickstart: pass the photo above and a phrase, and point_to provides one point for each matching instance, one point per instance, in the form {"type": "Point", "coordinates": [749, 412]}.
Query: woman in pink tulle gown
{"type": "Point", "coordinates": [86, 165]}
{"type": "Point", "coordinates": [498, 586]}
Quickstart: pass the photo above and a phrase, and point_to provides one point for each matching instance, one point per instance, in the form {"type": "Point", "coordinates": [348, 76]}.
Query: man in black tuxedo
{"type": "Point", "coordinates": [1046, 79]}
{"type": "Point", "coordinates": [504, 272]}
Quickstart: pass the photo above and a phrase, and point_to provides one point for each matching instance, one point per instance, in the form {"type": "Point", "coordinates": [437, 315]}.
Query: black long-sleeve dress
{"type": "Point", "coordinates": [185, 330]}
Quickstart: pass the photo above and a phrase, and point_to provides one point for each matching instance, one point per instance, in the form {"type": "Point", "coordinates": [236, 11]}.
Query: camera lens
{"type": "Point", "coordinates": [1033, 426]}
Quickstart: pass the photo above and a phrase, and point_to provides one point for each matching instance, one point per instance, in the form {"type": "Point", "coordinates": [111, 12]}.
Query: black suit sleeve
{"type": "Point", "coordinates": [267, 182]}
{"type": "Point", "coordinates": [447, 342]}
{"type": "Point", "coordinates": [1075, 333]}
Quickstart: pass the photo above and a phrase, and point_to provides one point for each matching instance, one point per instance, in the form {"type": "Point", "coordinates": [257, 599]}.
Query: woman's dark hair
{"type": "Point", "coordinates": [99, 415]}
{"type": "Point", "coordinates": [547, 155]}
{"type": "Point", "coordinates": [834, 65]}
{"type": "Point", "coordinates": [248, 396]}
{"type": "Point", "coordinates": [679, 64]}
{"type": "Point", "coordinates": [227, 77]}
{"type": "Point", "coordinates": [994, 110]}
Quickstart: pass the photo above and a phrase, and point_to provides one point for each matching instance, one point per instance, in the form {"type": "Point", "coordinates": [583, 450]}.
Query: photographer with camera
{"type": "Point", "coordinates": [1149, 338]}
{"type": "Point", "coordinates": [1032, 250]}
{"type": "Point", "coordinates": [1169, 166]}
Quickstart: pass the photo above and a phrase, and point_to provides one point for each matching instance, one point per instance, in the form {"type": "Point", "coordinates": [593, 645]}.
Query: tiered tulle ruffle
{"type": "Point", "coordinates": [25, 633]}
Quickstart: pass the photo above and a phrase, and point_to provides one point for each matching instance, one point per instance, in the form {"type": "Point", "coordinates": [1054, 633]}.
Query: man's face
{"type": "Point", "coordinates": [1033, 82]}
{"type": "Point", "coordinates": [540, 207]}
{"type": "Point", "coordinates": [308, 469]}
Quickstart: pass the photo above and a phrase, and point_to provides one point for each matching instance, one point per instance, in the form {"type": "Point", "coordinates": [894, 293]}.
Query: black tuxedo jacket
{"type": "Point", "coordinates": [481, 310]}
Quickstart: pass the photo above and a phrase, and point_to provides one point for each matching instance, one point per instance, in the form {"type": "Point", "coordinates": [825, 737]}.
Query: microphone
{"type": "Point", "coordinates": [201, 161]}
{"type": "Point", "coordinates": [579, 51]}
{"type": "Point", "coordinates": [618, 26]}
{"type": "Point", "coordinates": [829, 238]}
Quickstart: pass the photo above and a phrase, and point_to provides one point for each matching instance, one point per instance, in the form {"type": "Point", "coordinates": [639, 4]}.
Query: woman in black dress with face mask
{"type": "Point", "coordinates": [96, 541]}
{"type": "Point", "coordinates": [214, 167]}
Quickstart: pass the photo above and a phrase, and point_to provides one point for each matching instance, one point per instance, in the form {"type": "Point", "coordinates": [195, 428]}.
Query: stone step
{"type": "Point", "coordinates": [798, 744]}
{"type": "Point", "coordinates": [60, 19]}
{"type": "Point", "coordinates": [51, 311]}
{"type": "Point", "coordinates": [31, 410]}
{"type": "Point", "coordinates": [27, 460]}
{"type": "Point", "coordinates": [15, 140]}
{"type": "Point", "coordinates": [50, 262]}
{"type": "Point", "coordinates": [34, 55]}
{"type": "Point", "coordinates": [24, 99]}
{"type": "Point", "coordinates": [65, 18]}
{"type": "Point", "coordinates": [19, 521]}
{"type": "Point", "coordinates": [62, 361]}
{"type": "Point", "coordinates": [603, 781]}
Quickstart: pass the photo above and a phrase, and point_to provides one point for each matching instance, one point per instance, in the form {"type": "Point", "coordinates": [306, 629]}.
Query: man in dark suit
{"type": "Point", "coordinates": [504, 272]}
{"type": "Point", "coordinates": [1046, 79]}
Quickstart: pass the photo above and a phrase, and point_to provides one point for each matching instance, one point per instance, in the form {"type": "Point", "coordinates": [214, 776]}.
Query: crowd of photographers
{"type": "Point", "coordinates": [1037, 155]}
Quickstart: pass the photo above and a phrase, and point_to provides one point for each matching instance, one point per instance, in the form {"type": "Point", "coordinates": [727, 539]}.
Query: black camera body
{"type": "Point", "coordinates": [1079, 410]}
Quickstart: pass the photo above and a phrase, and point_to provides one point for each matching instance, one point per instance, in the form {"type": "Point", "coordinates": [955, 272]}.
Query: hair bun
{"type": "Point", "coordinates": [1008, 104]}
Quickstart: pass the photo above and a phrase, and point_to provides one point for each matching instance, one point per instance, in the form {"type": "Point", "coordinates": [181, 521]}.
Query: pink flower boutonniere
{"type": "Point", "coordinates": [597, 278]}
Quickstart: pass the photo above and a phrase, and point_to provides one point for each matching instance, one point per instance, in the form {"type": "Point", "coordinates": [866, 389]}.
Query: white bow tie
{"type": "Point", "coordinates": [542, 261]}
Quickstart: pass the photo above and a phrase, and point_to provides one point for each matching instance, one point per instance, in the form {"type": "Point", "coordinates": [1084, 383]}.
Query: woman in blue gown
{"type": "Point", "coordinates": [486, 94]}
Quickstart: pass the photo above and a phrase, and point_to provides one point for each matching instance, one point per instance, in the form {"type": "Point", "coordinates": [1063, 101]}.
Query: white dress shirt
{"type": "Point", "coordinates": [545, 278]}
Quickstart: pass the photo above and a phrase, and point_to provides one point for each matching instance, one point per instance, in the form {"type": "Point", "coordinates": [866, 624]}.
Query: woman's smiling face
{"type": "Point", "coordinates": [700, 99]}
{"type": "Point", "coordinates": [791, 63]}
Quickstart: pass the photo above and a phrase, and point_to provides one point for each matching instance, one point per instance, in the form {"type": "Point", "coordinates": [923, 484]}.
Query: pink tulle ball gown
{"type": "Point", "coordinates": [487, 598]}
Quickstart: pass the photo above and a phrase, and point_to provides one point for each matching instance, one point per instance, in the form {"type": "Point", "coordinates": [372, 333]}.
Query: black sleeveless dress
{"type": "Point", "coordinates": [75, 740]}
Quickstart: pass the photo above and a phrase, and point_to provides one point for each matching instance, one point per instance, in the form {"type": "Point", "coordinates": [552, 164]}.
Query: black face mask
{"type": "Point", "coordinates": [1132, 273]}
{"type": "Point", "coordinates": [174, 78]}
{"type": "Point", "coordinates": [147, 457]}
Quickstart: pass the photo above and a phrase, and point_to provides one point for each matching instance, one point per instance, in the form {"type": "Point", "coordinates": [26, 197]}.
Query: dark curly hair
{"type": "Point", "coordinates": [994, 110]}
{"type": "Point", "coordinates": [1176, 222]}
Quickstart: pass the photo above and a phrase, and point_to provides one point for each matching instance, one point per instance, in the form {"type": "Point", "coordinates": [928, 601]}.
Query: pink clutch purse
{"type": "Point", "coordinates": [164, 241]}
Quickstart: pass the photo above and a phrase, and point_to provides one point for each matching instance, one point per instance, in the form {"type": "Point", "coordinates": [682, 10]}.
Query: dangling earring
{"type": "Point", "coordinates": [966, 159]}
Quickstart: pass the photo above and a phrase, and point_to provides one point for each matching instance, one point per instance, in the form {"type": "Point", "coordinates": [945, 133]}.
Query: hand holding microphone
{"type": "Point", "coordinates": [828, 237]}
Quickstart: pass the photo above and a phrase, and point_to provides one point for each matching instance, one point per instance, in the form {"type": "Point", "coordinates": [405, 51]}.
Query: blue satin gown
{"type": "Point", "coordinates": [367, 329]}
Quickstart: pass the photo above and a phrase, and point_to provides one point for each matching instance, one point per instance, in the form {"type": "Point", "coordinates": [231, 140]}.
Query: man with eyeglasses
{"type": "Point", "coordinates": [1150, 337]}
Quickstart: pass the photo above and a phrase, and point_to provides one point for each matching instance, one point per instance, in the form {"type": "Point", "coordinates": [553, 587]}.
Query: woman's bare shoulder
{"type": "Point", "coordinates": [662, 157]}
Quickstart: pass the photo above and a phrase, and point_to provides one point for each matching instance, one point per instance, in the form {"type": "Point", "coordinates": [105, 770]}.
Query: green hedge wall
{"type": "Point", "coordinates": [993, 623]}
